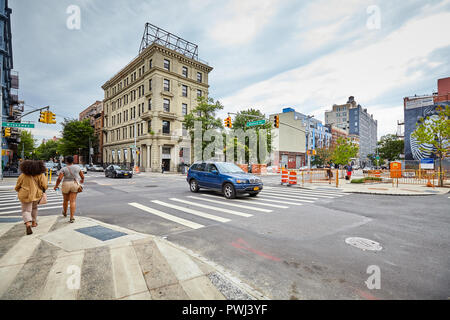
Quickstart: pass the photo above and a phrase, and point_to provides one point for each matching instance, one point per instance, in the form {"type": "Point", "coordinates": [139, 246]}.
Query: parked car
{"type": "Point", "coordinates": [51, 166]}
{"type": "Point", "coordinates": [82, 167]}
{"type": "Point", "coordinates": [225, 177]}
{"type": "Point", "coordinates": [115, 171]}
{"type": "Point", "coordinates": [97, 168]}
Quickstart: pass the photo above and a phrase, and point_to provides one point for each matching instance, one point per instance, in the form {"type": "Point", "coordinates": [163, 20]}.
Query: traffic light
{"type": "Point", "coordinates": [43, 117]}
{"type": "Point", "coordinates": [7, 132]}
{"type": "Point", "coordinates": [51, 117]}
{"type": "Point", "coordinates": [228, 123]}
{"type": "Point", "coordinates": [276, 121]}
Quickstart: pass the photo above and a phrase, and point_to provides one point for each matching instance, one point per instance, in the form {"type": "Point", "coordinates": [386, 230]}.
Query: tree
{"type": "Point", "coordinates": [435, 130]}
{"type": "Point", "coordinates": [47, 150]}
{"type": "Point", "coordinates": [26, 144]}
{"type": "Point", "coordinates": [75, 137]}
{"type": "Point", "coordinates": [344, 151]}
{"type": "Point", "coordinates": [205, 112]}
{"type": "Point", "coordinates": [240, 122]}
{"type": "Point", "coordinates": [323, 156]}
{"type": "Point", "coordinates": [390, 147]}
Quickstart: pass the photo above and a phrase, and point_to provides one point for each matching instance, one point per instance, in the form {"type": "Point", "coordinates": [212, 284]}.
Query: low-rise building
{"type": "Point", "coordinates": [95, 115]}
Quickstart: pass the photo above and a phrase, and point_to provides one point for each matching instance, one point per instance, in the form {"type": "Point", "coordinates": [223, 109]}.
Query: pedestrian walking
{"type": "Point", "coordinates": [162, 168]}
{"type": "Point", "coordinates": [31, 186]}
{"type": "Point", "coordinates": [329, 173]}
{"type": "Point", "coordinates": [349, 171]}
{"type": "Point", "coordinates": [72, 177]}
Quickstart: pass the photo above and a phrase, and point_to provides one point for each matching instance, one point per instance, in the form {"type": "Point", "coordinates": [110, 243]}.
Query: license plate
{"type": "Point", "coordinates": [125, 174]}
{"type": "Point", "coordinates": [256, 188]}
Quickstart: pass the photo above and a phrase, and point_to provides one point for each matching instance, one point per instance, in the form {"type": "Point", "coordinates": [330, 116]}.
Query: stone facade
{"type": "Point", "coordinates": [145, 104]}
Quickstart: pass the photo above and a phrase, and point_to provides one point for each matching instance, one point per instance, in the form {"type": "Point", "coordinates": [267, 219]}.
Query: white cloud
{"type": "Point", "coordinates": [240, 21]}
{"type": "Point", "coordinates": [366, 72]}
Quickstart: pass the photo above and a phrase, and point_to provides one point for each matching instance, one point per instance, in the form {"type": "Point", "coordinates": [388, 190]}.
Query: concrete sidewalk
{"type": "Point", "coordinates": [379, 188]}
{"type": "Point", "coordinates": [91, 260]}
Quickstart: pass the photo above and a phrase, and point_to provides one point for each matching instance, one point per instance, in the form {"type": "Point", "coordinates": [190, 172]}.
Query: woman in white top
{"type": "Point", "coordinates": [69, 175]}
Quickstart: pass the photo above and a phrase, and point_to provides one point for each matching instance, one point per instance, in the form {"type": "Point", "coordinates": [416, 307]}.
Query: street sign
{"type": "Point", "coordinates": [378, 158]}
{"type": "Point", "coordinates": [256, 123]}
{"type": "Point", "coordinates": [427, 163]}
{"type": "Point", "coordinates": [17, 125]}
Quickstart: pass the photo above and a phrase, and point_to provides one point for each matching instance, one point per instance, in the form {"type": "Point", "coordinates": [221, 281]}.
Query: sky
{"type": "Point", "coordinates": [266, 54]}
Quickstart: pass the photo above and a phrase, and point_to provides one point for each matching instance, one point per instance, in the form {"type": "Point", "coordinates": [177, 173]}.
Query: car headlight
{"type": "Point", "coordinates": [241, 181]}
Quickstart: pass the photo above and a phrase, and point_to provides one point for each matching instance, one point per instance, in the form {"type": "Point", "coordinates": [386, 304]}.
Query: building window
{"type": "Point", "coordinates": [185, 72]}
{"type": "Point", "coordinates": [199, 93]}
{"type": "Point", "coordinates": [150, 85]}
{"type": "Point", "coordinates": [149, 104]}
{"type": "Point", "coordinates": [199, 76]}
{"type": "Point", "coordinates": [166, 85]}
{"type": "Point", "coordinates": [166, 105]}
{"type": "Point", "coordinates": [150, 64]}
{"type": "Point", "coordinates": [184, 109]}
{"type": "Point", "coordinates": [167, 64]}
{"type": "Point", "coordinates": [184, 90]}
{"type": "Point", "coordinates": [166, 127]}
{"type": "Point", "coordinates": [149, 124]}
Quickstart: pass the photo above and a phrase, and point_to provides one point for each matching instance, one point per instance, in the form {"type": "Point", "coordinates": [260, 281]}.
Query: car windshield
{"type": "Point", "coordinates": [119, 168]}
{"type": "Point", "coordinates": [226, 167]}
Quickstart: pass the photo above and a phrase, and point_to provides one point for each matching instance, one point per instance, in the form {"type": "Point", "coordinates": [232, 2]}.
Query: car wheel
{"type": "Point", "coordinates": [254, 194]}
{"type": "Point", "coordinates": [193, 184]}
{"type": "Point", "coordinates": [115, 176]}
{"type": "Point", "coordinates": [228, 191]}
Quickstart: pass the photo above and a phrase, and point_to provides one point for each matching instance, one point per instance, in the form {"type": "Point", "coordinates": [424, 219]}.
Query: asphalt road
{"type": "Point", "coordinates": [291, 244]}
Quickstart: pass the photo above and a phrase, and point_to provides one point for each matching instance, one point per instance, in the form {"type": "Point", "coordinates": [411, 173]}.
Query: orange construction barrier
{"type": "Point", "coordinates": [292, 177]}
{"type": "Point", "coordinates": [278, 169]}
{"type": "Point", "coordinates": [284, 176]}
{"type": "Point", "coordinates": [136, 169]}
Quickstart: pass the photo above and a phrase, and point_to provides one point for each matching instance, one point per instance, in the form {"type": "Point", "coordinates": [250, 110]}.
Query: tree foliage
{"type": "Point", "coordinates": [26, 144]}
{"type": "Point", "coordinates": [390, 147]}
{"type": "Point", "coordinates": [435, 130]}
{"type": "Point", "coordinates": [344, 150]}
{"type": "Point", "coordinates": [324, 156]}
{"type": "Point", "coordinates": [205, 112]}
{"type": "Point", "coordinates": [47, 150]}
{"type": "Point", "coordinates": [75, 137]}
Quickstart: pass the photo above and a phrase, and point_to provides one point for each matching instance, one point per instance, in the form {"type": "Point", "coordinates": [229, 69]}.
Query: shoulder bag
{"type": "Point", "coordinates": [43, 199]}
{"type": "Point", "coordinates": [80, 187]}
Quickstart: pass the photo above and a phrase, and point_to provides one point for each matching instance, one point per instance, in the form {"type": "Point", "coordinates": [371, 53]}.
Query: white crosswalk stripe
{"type": "Point", "coordinates": [212, 208]}
{"type": "Point", "coordinates": [305, 191]}
{"type": "Point", "coordinates": [289, 195]}
{"type": "Point", "coordinates": [278, 201]}
{"type": "Point", "coordinates": [9, 203]}
{"type": "Point", "coordinates": [271, 196]}
{"type": "Point", "coordinates": [228, 203]}
{"type": "Point", "coordinates": [192, 211]}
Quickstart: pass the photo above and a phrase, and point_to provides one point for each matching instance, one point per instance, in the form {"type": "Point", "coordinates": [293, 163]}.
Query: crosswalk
{"type": "Point", "coordinates": [10, 204]}
{"type": "Point", "coordinates": [211, 207]}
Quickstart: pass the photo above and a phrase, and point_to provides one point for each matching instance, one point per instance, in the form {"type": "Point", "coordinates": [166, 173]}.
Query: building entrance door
{"type": "Point", "coordinates": [166, 164]}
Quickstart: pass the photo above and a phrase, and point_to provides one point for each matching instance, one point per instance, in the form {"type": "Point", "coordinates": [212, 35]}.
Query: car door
{"type": "Point", "coordinates": [108, 171]}
{"type": "Point", "coordinates": [200, 175]}
{"type": "Point", "coordinates": [212, 178]}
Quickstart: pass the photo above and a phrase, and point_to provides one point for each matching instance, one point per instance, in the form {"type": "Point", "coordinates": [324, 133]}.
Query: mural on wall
{"type": "Point", "coordinates": [414, 113]}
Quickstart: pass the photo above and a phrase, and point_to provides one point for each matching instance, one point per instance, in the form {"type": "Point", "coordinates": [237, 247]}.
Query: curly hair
{"type": "Point", "coordinates": [33, 167]}
{"type": "Point", "coordinates": [69, 159]}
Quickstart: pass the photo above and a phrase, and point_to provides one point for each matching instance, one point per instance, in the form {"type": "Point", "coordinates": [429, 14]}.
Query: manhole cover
{"type": "Point", "coordinates": [364, 244]}
{"type": "Point", "coordinates": [150, 186]}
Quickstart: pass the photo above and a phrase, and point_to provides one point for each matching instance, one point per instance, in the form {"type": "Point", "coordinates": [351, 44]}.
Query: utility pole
{"type": "Point", "coordinates": [309, 137]}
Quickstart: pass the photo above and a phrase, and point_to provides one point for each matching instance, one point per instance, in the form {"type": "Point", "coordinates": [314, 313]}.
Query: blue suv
{"type": "Point", "coordinates": [223, 176]}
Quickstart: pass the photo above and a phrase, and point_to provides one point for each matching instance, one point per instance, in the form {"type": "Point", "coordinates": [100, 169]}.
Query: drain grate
{"type": "Point", "coordinates": [150, 186]}
{"type": "Point", "coordinates": [364, 244]}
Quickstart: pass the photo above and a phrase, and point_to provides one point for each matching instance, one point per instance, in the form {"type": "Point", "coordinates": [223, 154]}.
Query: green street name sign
{"type": "Point", "coordinates": [17, 125]}
{"type": "Point", "coordinates": [256, 123]}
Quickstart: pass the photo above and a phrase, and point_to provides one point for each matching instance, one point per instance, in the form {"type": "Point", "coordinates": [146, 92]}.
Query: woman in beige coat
{"type": "Point", "coordinates": [31, 186]}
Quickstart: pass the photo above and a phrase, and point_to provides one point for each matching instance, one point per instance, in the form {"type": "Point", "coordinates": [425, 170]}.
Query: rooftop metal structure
{"type": "Point", "coordinates": [154, 34]}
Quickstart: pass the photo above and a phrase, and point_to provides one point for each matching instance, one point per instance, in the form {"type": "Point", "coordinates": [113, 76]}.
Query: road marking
{"type": "Point", "coordinates": [213, 208]}
{"type": "Point", "coordinates": [39, 209]}
{"type": "Point", "coordinates": [276, 201]}
{"type": "Point", "coordinates": [327, 193]}
{"type": "Point", "coordinates": [310, 195]}
{"type": "Point", "coordinates": [167, 216]}
{"type": "Point", "coordinates": [285, 195]}
{"type": "Point", "coordinates": [229, 203]}
{"type": "Point", "coordinates": [49, 202]}
{"type": "Point", "coordinates": [261, 204]}
{"type": "Point", "coordinates": [192, 211]}
{"type": "Point", "coordinates": [278, 197]}
{"type": "Point", "coordinates": [5, 203]}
